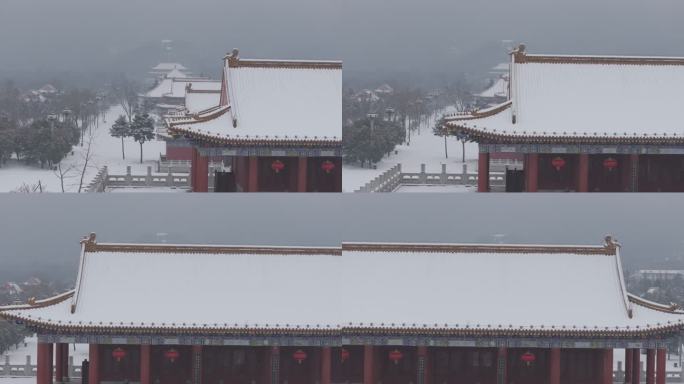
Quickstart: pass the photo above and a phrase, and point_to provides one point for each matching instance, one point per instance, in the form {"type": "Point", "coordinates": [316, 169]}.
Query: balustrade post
{"type": "Point", "coordinates": [28, 369]}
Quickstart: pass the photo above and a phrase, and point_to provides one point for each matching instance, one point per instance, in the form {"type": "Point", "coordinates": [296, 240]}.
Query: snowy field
{"type": "Point", "coordinates": [17, 380]}
{"type": "Point", "coordinates": [106, 151]}
{"type": "Point", "coordinates": [425, 148]}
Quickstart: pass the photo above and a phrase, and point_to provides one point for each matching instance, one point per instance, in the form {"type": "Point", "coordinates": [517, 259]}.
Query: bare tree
{"type": "Point", "coordinates": [30, 188]}
{"type": "Point", "coordinates": [126, 93]}
{"type": "Point", "coordinates": [86, 157]}
{"type": "Point", "coordinates": [64, 173]}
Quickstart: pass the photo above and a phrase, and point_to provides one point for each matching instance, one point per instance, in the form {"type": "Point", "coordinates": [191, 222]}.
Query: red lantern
{"type": "Point", "coordinates": [118, 354]}
{"type": "Point", "coordinates": [558, 163]}
{"type": "Point", "coordinates": [299, 355]}
{"type": "Point", "coordinates": [528, 358]}
{"type": "Point", "coordinates": [328, 166]}
{"type": "Point", "coordinates": [171, 355]}
{"type": "Point", "coordinates": [395, 356]}
{"type": "Point", "coordinates": [344, 355]}
{"type": "Point", "coordinates": [277, 166]}
{"type": "Point", "coordinates": [610, 163]}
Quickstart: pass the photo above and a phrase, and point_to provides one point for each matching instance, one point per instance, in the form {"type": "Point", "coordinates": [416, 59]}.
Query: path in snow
{"type": "Point", "coordinates": [106, 151]}
{"type": "Point", "coordinates": [425, 148]}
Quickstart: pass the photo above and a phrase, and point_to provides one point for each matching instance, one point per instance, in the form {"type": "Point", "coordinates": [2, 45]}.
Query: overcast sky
{"type": "Point", "coordinates": [369, 35]}
{"type": "Point", "coordinates": [40, 233]}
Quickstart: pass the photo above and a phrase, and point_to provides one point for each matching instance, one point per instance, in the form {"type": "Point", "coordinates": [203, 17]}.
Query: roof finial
{"type": "Point", "coordinates": [233, 57]}
{"type": "Point", "coordinates": [89, 241]}
{"type": "Point", "coordinates": [519, 53]}
{"type": "Point", "coordinates": [611, 243]}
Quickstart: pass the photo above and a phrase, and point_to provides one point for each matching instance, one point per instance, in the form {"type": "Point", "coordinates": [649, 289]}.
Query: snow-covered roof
{"type": "Point", "coordinates": [592, 99]}
{"type": "Point", "coordinates": [199, 101]}
{"type": "Point", "coordinates": [162, 88]}
{"type": "Point", "coordinates": [176, 74]}
{"type": "Point", "coordinates": [454, 288]}
{"type": "Point", "coordinates": [167, 67]}
{"type": "Point", "coordinates": [276, 102]}
{"type": "Point", "coordinates": [498, 89]}
{"type": "Point", "coordinates": [176, 87]}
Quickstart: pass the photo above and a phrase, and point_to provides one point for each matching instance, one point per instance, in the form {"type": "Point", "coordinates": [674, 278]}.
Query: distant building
{"type": "Point", "coordinates": [163, 69]}
{"type": "Point", "coordinates": [384, 89]}
{"type": "Point", "coordinates": [660, 274]}
{"type": "Point", "coordinates": [584, 124]}
{"type": "Point", "coordinates": [496, 93]}
{"type": "Point", "coordinates": [11, 288]}
{"type": "Point", "coordinates": [353, 313]}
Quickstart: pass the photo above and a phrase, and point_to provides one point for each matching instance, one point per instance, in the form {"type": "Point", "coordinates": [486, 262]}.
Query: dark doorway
{"type": "Point", "coordinates": [464, 365]}
{"type": "Point", "coordinates": [515, 180]}
{"type": "Point", "coordinates": [224, 182]}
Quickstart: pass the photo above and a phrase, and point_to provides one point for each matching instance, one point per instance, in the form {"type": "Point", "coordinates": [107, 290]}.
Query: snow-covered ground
{"type": "Point", "coordinates": [434, 188]}
{"type": "Point", "coordinates": [106, 151]}
{"type": "Point", "coordinates": [17, 380]}
{"type": "Point", "coordinates": [425, 148]}
{"type": "Point", "coordinates": [28, 348]}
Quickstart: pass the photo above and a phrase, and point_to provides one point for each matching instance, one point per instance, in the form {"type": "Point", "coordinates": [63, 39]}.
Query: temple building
{"type": "Point", "coordinates": [392, 313]}
{"type": "Point", "coordinates": [277, 128]}
{"type": "Point", "coordinates": [162, 69]}
{"type": "Point", "coordinates": [585, 124]}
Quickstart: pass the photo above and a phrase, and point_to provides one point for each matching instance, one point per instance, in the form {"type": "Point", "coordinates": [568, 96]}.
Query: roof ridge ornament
{"type": "Point", "coordinates": [519, 53]}
{"type": "Point", "coordinates": [90, 242]}
{"type": "Point", "coordinates": [611, 243]}
{"type": "Point", "coordinates": [233, 57]}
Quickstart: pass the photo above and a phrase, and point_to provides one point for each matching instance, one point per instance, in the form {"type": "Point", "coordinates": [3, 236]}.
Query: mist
{"type": "Point", "coordinates": [40, 234]}
{"type": "Point", "coordinates": [430, 39]}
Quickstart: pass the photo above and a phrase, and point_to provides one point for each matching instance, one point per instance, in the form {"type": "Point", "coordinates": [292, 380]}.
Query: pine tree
{"type": "Point", "coordinates": [142, 130]}
{"type": "Point", "coordinates": [121, 129]}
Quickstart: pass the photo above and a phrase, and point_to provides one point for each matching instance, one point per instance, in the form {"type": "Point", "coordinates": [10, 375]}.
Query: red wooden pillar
{"type": "Point", "coordinates": [94, 368]}
{"type": "Point", "coordinates": [634, 170]}
{"type": "Point", "coordinates": [61, 357]}
{"type": "Point", "coordinates": [501, 368]}
{"type": "Point", "coordinates": [145, 351]}
{"type": "Point", "coordinates": [253, 178]}
{"type": "Point", "coordinates": [628, 365]}
{"type": "Point", "coordinates": [275, 365]}
{"type": "Point", "coordinates": [636, 366]}
{"type": "Point", "coordinates": [661, 366]}
{"type": "Point", "coordinates": [583, 173]}
{"type": "Point", "coordinates": [196, 364]}
{"type": "Point", "coordinates": [607, 366]}
{"type": "Point", "coordinates": [301, 174]}
{"type": "Point", "coordinates": [44, 368]}
{"type": "Point", "coordinates": [202, 174]}
{"type": "Point", "coordinates": [326, 365]}
{"type": "Point", "coordinates": [650, 366]}
{"type": "Point", "coordinates": [483, 172]}
{"type": "Point", "coordinates": [368, 364]}
{"type": "Point", "coordinates": [199, 172]}
{"type": "Point", "coordinates": [554, 366]}
{"type": "Point", "coordinates": [531, 172]}
{"type": "Point", "coordinates": [423, 362]}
